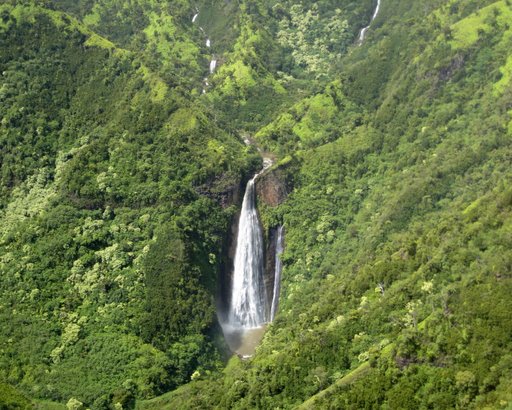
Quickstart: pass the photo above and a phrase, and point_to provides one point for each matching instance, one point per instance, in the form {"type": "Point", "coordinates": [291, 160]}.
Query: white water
{"type": "Point", "coordinates": [277, 273]}
{"type": "Point", "coordinates": [248, 312]}
{"type": "Point", "coordinates": [365, 29]}
{"type": "Point", "coordinates": [248, 296]}
{"type": "Point", "coordinates": [213, 64]}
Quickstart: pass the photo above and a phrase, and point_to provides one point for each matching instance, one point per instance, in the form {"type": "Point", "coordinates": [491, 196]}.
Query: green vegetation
{"type": "Point", "coordinates": [119, 182]}
{"type": "Point", "coordinates": [104, 174]}
{"type": "Point", "coordinates": [467, 31]}
{"type": "Point", "coordinates": [397, 234]}
{"type": "Point", "coordinates": [10, 398]}
{"type": "Point", "coordinates": [313, 121]}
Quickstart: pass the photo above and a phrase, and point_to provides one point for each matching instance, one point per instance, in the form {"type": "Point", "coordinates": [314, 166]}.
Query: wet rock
{"type": "Point", "coordinates": [272, 187]}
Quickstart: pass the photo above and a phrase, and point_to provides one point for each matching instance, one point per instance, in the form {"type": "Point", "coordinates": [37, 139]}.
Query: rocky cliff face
{"type": "Point", "coordinates": [225, 191]}
{"type": "Point", "coordinates": [272, 187]}
{"type": "Point", "coordinates": [230, 197]}
{"type": "Point", "coordinates": [270, 238]}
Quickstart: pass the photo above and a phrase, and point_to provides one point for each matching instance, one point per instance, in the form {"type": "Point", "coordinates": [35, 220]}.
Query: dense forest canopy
{"type": "Point", "coordinates": [121, 178]}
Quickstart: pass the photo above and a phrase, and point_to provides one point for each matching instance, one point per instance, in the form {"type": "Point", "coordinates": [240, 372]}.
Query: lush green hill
{"type": "Point", "coordinates": [115, 190]}
{"type": "Point", "coordinates": [397, 272]}
{"type": "Point", "coordinates": [120, 180]}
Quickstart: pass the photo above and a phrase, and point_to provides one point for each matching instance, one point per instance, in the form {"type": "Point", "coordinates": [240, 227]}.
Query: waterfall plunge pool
{"type": "Point", "coordinates": [243, 341]}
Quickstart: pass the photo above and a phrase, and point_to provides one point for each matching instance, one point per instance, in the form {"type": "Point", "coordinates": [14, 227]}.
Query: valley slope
{"type": "Point", "coordinates": [120, 181]}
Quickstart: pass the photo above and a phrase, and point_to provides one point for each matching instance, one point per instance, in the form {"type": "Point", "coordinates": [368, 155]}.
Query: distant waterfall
{"type": "Point", "coordinates": [277, 273]}
{"type": "Point", "coordinates": [248, 296]}
{"type": "Point", "coordinates": [213, 64]}
{"type": "Point", "coordinates": [365, 29]}
{"type": "Point", "coordinates": [213, 61]}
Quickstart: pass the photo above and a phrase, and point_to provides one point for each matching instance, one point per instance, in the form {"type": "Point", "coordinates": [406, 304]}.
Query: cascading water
{"type": "Point", "coordinates": [213, 61]}
{"type": "Point", "coordinates": [277, 273]}
{"type": "Point", "coordinates": [248, 297]}
{"type": "Point", "coordinates": [249, 308]}
{"type": "Point", "coordinates": [365, 29]}
{"type": "Point", "coordinates": [213, 64]}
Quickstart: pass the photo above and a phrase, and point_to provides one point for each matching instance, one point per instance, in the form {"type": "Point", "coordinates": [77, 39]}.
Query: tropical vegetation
{"type": "Point", "coordinates": [120, 181]}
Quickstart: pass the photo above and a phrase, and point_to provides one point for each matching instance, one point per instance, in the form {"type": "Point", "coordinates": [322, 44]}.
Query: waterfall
{"type": "Point", "coordinates": [248, 297]}
{"type": "Point", "coordinates": [249, 309]}
{"type": "Point", "coordinates": [364, 30]}
{"type": "Point", "coordinates": [213, 64]}
{"type": "Point", "coordinates": [277, 273]}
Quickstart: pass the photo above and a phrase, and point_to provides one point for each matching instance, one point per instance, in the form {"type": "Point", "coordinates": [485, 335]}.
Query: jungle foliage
{"type": "Point", "coordinates": [119, 181]}
{"type": "Point", "coordinates": [111, 173]}
{"type": "Point", "coordinates": [397, 264]}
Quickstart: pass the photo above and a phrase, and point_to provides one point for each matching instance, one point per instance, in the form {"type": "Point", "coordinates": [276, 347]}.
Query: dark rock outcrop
{"type": "Point", "coordinates": [272, 187]}
{"type": "Point", "coordinates": [270, 262]}
{"type": "Point", "coordinates": [223, 190]}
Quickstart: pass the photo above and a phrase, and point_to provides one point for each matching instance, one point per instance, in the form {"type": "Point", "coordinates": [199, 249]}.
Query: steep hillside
{"type": "Point", "coordinates": [397, 273]}
{"type": "Point", "coordinates": [120, 179]}
{"type": "Point", "coordinates": [116, 193]}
